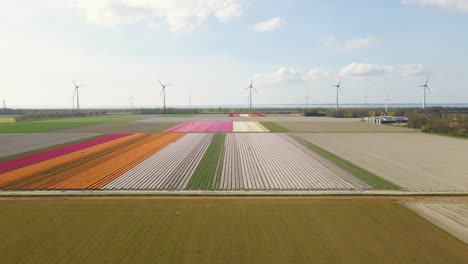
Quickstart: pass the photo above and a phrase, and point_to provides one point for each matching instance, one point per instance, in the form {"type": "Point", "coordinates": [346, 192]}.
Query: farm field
{"type": "Point", "coordinates": [271, 162]}
{"type": "Point", "coordinates": [248, 127]}
{"type": "Point", "coordinates": [342, 127]}
{"type": "Point", "coordinates": [196, 127]}
{"type": "Point", "coordinates": [7, 120]}
{"type": "Point", "coordinates": [449, 214]}
{"type": "Point", "coordinates": [11, 144]}
{"type": "Point", "coordinates": [90, 168]}
{"type": "Point", "coordinates": [414, 161]}
{"type": "Point", "coordinates": [220, 230]}
{"type": "Point", "coordinates": [132, 127]}
{"type": "Point", "coordinates": [266, 118]}
{"type": "Point", "coordinates": [59, 124]}
{"type": "Point", "coordinates": [168, 169]}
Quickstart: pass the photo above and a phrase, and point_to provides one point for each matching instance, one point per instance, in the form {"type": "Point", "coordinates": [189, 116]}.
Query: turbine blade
{"type": "Point", "coordinates": [168, 84]}
{"type": "Point", "coordinates": [339, 82]}
{"type": "Point", "coordinates": [254, 89]}
{"type": "Point", "coordinates": [162, 90]}
{"type": "Point", "coordinates": [74, 83]}
{"type": "Point", "coordinates": [427, 79]}
{"type": "Point", "coordinates": [161, 83]}
{"type": "Point", "coordinates": [341, 92]}
{"type": "Point", "coordinates": [429, 89]}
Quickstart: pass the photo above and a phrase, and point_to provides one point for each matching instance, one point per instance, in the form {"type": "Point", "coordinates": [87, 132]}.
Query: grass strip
{"type": "Point", "coordinates": [14, 156]}
{"type": "Point", "coordinates": [176, 115]}
{"type": "Point", "coordinates": [366, 176]}
{"type": "Point", "coordinates": [39, 126]}
{"type": "Point", "coordinates": [205, 172]}
{"type": "Point", "coordinates": [274, 127]}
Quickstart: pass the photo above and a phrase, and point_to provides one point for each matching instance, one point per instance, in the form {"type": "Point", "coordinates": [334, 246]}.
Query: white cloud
{"type": "Point", "coordinates": [178, 15]}
{"type": "Point", "coordinates": [285, 74]}
{"type": "Point", "coordinates": [461, 5]}
{"type": "Point", "coordinates": [368, 70]}
{"type": "Point", "coordinates": [268, 25]}
{"type": "Point", "coordinates": [332, 42]}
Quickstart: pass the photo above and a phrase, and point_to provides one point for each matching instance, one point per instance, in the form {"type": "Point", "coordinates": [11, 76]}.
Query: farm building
{"type": "Point", "coordinates": [385, 119]}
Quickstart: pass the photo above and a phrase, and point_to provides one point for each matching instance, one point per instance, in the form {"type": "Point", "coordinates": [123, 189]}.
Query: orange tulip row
{"type": "Point", "coordinates": [90, 168]}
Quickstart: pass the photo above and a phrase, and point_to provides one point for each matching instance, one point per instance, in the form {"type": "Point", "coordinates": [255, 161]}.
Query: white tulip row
{"type": "Point", "coordinates": [248, 127]}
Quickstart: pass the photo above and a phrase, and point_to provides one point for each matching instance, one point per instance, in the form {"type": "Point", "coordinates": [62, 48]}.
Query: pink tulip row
{"type": "Point", "coordinates": [188, 127]}
{"type": "Point", "coordinates": [23, 161]}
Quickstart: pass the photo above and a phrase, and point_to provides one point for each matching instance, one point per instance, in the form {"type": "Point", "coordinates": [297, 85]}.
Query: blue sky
{"type": "Point", "coordinates": [211, 48]}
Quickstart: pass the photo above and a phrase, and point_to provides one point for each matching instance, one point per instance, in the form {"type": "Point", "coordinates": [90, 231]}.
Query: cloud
{"type": "Point", "coordinates": [461, 5]}
{"type": "Point", "coordinates": [178, 15]}
{"type": "Point", "coordinates": [332, 42]}
{"type": "Point", "coordinates": [285, 74]}
{"type": "Point", "coordinates": [361, 70]}
{"type": "Point", "coordinates": [268, 25]}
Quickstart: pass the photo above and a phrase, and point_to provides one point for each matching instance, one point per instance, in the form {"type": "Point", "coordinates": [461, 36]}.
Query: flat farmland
{"type": "Point", "coordinates": [169, 169]}
{"type": "Point", "coordinates": [272, 162]}
{"type": "Point", "coordinates": [414, 161]}
{"type": "Point", "coordinates": [132, 127]}
{"type": "Point", "coordinates": [220, 230]}
{"type": "Point", "coordinates": [248, 127]}
{"type": "Point", "coordinates": [11, 144]}
{"type": "Point", "coordinates": [342, 127]}
{"type": "Point", "coordinates": [449, 214]}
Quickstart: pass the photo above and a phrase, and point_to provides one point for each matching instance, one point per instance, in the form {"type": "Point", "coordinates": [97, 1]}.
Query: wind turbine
{"type": "Point", "coordinates": [250, 88]}
{"type": "Point", "coordinates": [163, 92]}
{"type": "Point", "coordinates": [131, 103]}
{"type": "Point", "coordinates": [387, 100]}
{"type": "Point", "coordinates": [338, 89]}
{"type": "Point", "coordinates": [77, 94]}
{"type": "Point", "coordinates": [425, 88]}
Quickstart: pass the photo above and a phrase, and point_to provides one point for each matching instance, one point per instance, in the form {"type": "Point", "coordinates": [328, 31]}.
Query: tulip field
{"type": "Point", "coordinates": [246, 115]}
{"type": "Point", "coordinates": [177, 161]}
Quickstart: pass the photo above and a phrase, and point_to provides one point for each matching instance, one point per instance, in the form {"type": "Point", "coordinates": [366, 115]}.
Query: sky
{"type": "Point", "coordinates": [210, 49]}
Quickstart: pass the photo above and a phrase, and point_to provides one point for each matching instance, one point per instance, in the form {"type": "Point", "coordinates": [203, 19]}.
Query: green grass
{"type": "Point", "coordinates": [235, 230]}
{"type": "Point", "coordinates": [40, 126]}
{"type": "Point", "coordinates": [7, 120]}
{"type": "Point", "coordinates": [176, 115]}
{"type": "Point", "coordinates": [46, 148]}
{"type": "Point", "coordinates": [206, 172]}
{"type": "Point", "coordinates": [274, 127]}
{"type": "Point", "coordinates": [368, 177]}
{"type": "Point", "coordinates": [56, 124]}
{"type": "Point", "coordinates": [93, 120]}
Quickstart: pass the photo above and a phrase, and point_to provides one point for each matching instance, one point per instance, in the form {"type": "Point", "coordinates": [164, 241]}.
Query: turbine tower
{"type": "Point", "coordinates": [163, 92]}
{"type": "Point", "coordinates": [425, 87]}
{"type": "Point", "coordinates": [250, 88]}
{"type": "Point", "coordinates": [338, 90]}
{"type": "Point", "coordinates": [387, 100]}
{"type": "Point", "coordinates": [77, 87]}
{"type": "Point", "coordinates": [131, 103]}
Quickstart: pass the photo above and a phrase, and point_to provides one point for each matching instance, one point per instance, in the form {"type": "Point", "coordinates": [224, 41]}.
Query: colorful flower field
{"type": "Point", "coordinates": [177, 162]}
{"type": "Point", "coordinates": [216, 127]}
{"type": "Point", "coordinates": [246, 115]}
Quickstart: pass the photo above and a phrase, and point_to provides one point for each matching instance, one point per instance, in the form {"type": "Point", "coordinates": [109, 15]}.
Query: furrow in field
{"type": "Point", "coordinates": [202, 127]}
{"type": "Point", "coordinates": [271, 162]}
{"type": "Point", "coordinates": [115, 164]}
{"type": "Point", "coordinates": [169, 168]}
{"type": "Point", "coordinates": [205, 173]}
{"type": "Point", "coordinates": [77, 156]}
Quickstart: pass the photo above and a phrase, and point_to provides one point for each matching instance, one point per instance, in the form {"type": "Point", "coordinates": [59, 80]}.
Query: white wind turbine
{"type": "Point", "coordinates": [77, 92]}
{"type": "Point", "coordinates": [425, 87]}
{"type": "Point", "coordinates": [250, 88]}
{"type": "Point", "coordinates": [387, 100]}
{"type": "Point", "coordinates": [338, 90]}
{"type": "Point", "coordinates": [163, 92]}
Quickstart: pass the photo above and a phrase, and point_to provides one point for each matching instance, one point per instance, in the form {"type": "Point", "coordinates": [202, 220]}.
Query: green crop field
{"type": "Point", "coordinates": [56, 124]}
{"type": "Point", "coordinates": [206, 175]}
{"type": "Point", "coordinates": [38, 126]}
{"type": "Point", "coordinates": [368, 177]}
{"type": "Point", "coordinates": [274, 127]}
{"type": "Point", "coordinates": [220, 230]}
{"type": "Point", "coordinates": [94, 120]}
{"type": "Point", "coordinates": [7, 120]}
